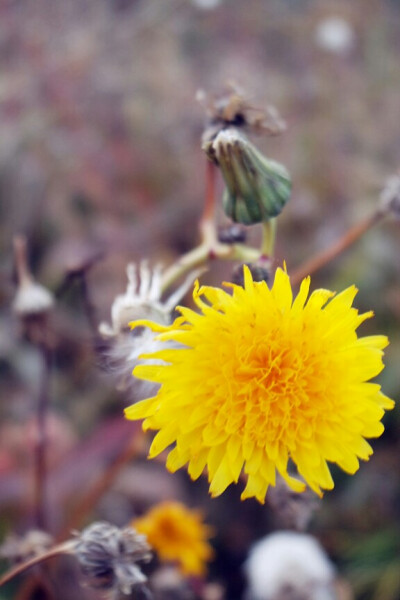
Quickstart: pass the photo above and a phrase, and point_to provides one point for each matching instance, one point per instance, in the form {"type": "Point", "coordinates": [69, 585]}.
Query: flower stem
{"type": "Point", "coordinates": [209, 203]}
{"type": "Point", "coordinates": [40, 466]}
{"type": "Point", "coordinates": [268, 239]}
{"type": "Point", "coordinates": [21, 259]}
{"type": "Point", "coordinates": [349, 238]}
{"type": "Point", "coordinates": [210, 247]}
{"type": "Point", "coordinates": [64, 548]}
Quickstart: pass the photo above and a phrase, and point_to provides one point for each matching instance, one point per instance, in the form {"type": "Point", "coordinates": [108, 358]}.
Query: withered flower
{"type": "Point", "coordinates": [231, 108]}
{"type": "Point", "coordinates": [108, 555]}
{"type": "Point", "coordinates": [142, 300]}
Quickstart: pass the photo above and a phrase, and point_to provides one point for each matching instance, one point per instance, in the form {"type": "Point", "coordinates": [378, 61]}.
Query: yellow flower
{"type": "Point", "coordinates": [261, 379]}
{"type": "Point", "coordinates": [179, 535]}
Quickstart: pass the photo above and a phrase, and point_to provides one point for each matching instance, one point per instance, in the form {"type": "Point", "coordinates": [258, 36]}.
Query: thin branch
{"type": "Point", "coordinates": [349, 238]}
{"type": "Point", "coordinates": [209, 201]}
{"type": "Point", "coordinates": [268, 238]}
{"type": "Point", "coordinates": [64, 548]}
{"type": "Point", "coordinates": [210, 247]}
{"type": "Point", "coordinates": [40, 466]}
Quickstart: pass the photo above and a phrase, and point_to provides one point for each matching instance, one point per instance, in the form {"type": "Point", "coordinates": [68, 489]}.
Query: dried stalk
{"type": "Point", "coordinates": [40, 466]}
{"type": "Point", "coordinates": [64, 548]}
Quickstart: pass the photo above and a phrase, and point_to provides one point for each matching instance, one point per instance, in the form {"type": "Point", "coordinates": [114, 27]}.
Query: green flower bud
{"type": "Point", "coordinates": [257, 188]}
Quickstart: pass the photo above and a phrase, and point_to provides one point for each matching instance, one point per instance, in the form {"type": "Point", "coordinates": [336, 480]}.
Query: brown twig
{"type": "Point", "coordinates": [34, 319]}
{"type": "Point", "coordinates": [64, 548]}
{"type": "Point", "coordinates": [325, 257]}
{"type": "Point", "coordinates": [103, 483]}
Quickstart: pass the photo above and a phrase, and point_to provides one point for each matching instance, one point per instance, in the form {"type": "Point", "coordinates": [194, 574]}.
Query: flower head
{"type": "Point", "coordinates": [261, 379]}
{"type": "Point", "coordinates": [177, 534]}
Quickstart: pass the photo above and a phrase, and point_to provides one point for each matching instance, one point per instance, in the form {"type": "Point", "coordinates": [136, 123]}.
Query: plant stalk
{"type": "Point", "coordinates": [64, 548]}
{"type": "Point", "coordinates": [347, 240]}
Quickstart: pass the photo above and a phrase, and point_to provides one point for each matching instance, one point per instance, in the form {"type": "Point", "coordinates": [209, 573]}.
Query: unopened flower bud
{"type": "Point", "coordinates": [258, 273]}
{"type": "Point", "coordinates": [257, 188]}
{"type": "Point", "coordinates": [232, 234]}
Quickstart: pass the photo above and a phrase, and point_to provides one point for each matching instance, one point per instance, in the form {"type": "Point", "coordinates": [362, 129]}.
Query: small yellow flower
{"type": "Point", "coordinates": [261, 379]}
{"type": "Point", "coordinates": [179, 535]}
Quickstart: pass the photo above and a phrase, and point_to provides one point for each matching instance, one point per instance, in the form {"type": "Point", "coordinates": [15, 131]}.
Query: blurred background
{"type": "Point", "coordinates": [101, 164]}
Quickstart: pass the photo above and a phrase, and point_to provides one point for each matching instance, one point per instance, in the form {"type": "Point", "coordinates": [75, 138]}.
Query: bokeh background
{"type": "Point", "coordinates": [100, 156]}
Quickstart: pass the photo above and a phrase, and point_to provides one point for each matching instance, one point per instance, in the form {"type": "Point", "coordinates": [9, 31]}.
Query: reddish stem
{"type": "Point", "coordinates": [325, 257]}
{"type": "Point", "coordinates": [209, 202]}
{"type": "Point", "coordinates": [64, 548]}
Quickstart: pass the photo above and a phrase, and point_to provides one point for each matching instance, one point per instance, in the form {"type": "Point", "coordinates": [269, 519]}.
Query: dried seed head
{"type": "Point", "coordinates": [288, 565]}
{"type": "Point", "coordinates": [142, 300]}
{"type": "Point", "coordinates": [257, 188]}
{"type": "Point", "coordinates": [108, 556]}
{"type": "Point", "coordinates": [122, 355]}
{"type": "Point", "coordinates": [231, 108]}
{"type": "Point", "coordinates": [31, 299]}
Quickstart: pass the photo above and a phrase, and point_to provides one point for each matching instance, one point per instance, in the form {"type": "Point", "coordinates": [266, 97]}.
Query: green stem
{"type": "Point", "coordinates": [245, 253]}
{"type": "Point", "coordinates": [210, 247]}
{"type": "Point", "coordinates": [185, 263]}
{"type": "Point", "coordinates": [268, 239]}
{"type": "Point", "coordinates": [203, 253]}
